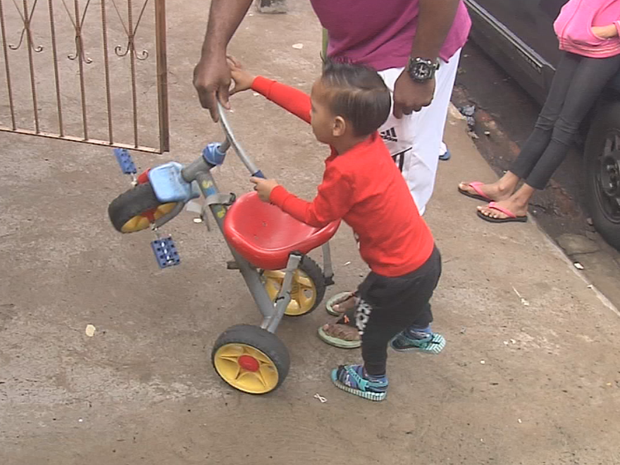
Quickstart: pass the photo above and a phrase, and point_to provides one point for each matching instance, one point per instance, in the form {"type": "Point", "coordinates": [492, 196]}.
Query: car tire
{"type": "Point", "coordinates": [602, 169]}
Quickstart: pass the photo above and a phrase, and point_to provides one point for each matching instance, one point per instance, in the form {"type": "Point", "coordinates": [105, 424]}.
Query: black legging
{"type": "Point", "coordinates": [577, 84]}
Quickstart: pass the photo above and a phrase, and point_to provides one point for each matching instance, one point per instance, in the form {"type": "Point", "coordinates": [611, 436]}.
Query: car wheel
{"type": "Point", "coordinates": [602, 168]}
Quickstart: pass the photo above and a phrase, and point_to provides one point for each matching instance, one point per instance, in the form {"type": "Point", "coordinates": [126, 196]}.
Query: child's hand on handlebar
{"type": "Point", "coordinates": [264, 187]}
{"type": "Point", "coordinates": [243, 80]}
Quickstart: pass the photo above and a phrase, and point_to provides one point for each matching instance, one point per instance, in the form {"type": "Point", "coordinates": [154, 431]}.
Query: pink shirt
{"type": "Point", "coordinates": [380, 33]}
{"type": "Point", "coordinates": [574, 27]}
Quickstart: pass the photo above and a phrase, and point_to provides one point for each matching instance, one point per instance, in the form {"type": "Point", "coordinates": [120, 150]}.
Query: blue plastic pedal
{"type": "Point", "coordinates": [125, 161]}
{"type": "Point", "coordinates": [165, 252]}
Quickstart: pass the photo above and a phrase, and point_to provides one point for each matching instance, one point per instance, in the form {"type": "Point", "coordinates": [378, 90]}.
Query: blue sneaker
{"type": "Point", "coordinates": [444, 152]}
{"type": "Point", "coordinates": [433, 343]}
{"type": "Point", "coordinates": [445, 156]}
{"type": "Point", "coordinates": [354, 380]}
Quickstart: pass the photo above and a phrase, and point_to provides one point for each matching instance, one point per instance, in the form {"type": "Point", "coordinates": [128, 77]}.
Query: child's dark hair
{"type": "Point", "coordinates": [358, 94]}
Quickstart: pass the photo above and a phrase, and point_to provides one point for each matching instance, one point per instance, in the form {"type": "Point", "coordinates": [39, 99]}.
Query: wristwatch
{"type": "Point", "coordinates": [421, 70]}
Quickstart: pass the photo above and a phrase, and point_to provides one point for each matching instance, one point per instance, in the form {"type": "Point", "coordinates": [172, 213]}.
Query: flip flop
{"type": "Point", "coordinates": [339, 342]}
{"type": "Point", "coordinates": [339, 298]}
{"type": "Point", "coordinates": [479, 195]}
{"type": "Point", "coordinates": [512, 218]}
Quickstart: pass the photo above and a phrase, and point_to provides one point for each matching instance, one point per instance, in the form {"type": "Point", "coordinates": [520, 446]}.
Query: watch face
{"type": "Point", "coordinates": [422, 71]}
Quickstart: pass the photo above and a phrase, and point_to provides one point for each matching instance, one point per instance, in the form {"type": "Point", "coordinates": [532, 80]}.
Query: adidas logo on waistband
{"type": "Point", "coordinates": [389, 135]}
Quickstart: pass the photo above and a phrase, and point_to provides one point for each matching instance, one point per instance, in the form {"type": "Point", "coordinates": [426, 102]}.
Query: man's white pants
{"type": "Point", "coordinates": [414, 140]}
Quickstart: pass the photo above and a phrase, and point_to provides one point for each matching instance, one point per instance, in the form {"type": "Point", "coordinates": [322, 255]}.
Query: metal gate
{"type": "Point", "coordinates": [90, 71]}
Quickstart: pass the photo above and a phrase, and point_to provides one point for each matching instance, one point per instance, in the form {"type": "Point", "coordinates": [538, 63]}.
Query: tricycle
{"type": "Point", "coordinates": [268, 246]}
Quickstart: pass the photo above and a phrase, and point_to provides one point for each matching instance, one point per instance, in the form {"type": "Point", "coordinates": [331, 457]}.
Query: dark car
{"type": "Point", "coordinates": [519, 36]}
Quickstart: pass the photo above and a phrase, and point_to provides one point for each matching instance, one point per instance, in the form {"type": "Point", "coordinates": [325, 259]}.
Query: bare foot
{"type": "Point", "coordinates": [347, 303]}
{"type": "Point", "coordinates": [511, 205]}
{"type": "Point", "coordinates": [494, 191]}
{"type": "Point", "coordinates": [342, 331]}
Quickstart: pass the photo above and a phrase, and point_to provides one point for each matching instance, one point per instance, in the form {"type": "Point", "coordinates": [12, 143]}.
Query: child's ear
{"type": "Point", "coordinates": [340, 126]}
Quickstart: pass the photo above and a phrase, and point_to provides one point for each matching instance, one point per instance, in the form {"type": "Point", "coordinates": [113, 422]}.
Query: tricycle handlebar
{"type": "Point", "coordinates": [231, 141]}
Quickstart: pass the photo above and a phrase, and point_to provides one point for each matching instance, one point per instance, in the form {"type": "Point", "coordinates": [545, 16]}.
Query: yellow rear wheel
{"type": "Point", "coordinates": [250, 359]}
{"type": "Point", "coordinates": [307, 290]}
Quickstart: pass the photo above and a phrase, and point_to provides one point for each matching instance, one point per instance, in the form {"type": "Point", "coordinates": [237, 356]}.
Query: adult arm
{"type": "Point", "coordinates": [434, 22]}
{"type": "Point", "coordinates": [211, 74]}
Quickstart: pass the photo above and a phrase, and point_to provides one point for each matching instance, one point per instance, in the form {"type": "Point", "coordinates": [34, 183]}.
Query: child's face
{"type": "Point", "coordinates": [325, 125]}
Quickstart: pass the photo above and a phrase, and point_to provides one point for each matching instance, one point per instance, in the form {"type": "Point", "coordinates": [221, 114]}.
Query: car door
{"type": "Point", "coordinates": [531, 20]}
{"type": "Point", "coordinates": [519, 36]}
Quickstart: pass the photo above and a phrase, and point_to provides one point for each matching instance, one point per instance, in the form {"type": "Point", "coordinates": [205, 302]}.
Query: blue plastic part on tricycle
{"type": "Point", "coordinates": [165, 252]}
{"type": "Point", "coordinates": [125, 161]}
{"type": "Point", "coordinates": [213, 155]}
{"type": "Point", "coordinates": [169, 185]}
{"type": "Point", "coordinates": [258, 174]}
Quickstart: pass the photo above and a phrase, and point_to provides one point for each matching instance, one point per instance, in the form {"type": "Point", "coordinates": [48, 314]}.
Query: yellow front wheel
{"type": "Point", "coordinates": [136, 209]}
{"type": "Point", "coordinates": [250, 359]}
{"type": "Point", "coordinates": [307, 290]}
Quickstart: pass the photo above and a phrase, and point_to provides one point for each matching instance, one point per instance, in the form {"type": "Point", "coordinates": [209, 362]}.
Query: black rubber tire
{"type": "Point", "coordinates": [315, 273]}
{"type": "Point", "coordinates": [260, 339]}
{"type": "Point", "coordinates": [132, 203]}
{"type": "Point", "coordinates": [605, 124]}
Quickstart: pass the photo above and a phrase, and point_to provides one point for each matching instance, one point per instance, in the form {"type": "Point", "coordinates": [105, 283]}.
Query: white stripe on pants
{"type": "Point", "coordinates": [414, 140]}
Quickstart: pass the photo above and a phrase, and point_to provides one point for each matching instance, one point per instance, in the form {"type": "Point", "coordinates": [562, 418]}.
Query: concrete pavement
{"type": "Point", "coordinates": [529, 376]}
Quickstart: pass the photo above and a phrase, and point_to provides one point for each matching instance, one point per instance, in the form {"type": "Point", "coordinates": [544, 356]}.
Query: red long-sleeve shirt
{"type": "Point", "coordinates": [363, 187]}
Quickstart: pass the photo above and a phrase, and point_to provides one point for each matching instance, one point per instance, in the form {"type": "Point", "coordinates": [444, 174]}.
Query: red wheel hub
{"type": "Point", "coordinates": [249, 363]}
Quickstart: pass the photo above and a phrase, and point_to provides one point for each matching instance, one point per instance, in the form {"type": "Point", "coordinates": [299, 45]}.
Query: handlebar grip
{"type": "Point", "coordinates": [259, 174]}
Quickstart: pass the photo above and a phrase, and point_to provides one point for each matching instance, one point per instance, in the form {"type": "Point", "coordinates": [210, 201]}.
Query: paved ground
{"type": "Point", "coordinates": [524, 380]}
{"type": "Point", "coordinates": [507, 113]}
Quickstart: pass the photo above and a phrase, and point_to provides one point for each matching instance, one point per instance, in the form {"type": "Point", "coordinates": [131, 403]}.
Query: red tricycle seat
{"type": "Point", "coordinates": [265, 236]}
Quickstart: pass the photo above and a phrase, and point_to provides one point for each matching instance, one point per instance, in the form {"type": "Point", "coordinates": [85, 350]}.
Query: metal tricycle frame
{"type": "Point", "coordinates": [199, 171]}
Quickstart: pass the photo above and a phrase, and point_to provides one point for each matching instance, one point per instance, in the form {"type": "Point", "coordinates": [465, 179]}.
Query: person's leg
{"type": "Point", "coordinates": [387, 306]}
{"type": "Point", "coordinates": [589, 79]}
{"type": "Point", "coordinates": [538, 140]}
{"type": "Point", "coordinates": [414, 140]}
{"type": "Point", "coordinates": [426, 131]}
{"type": "Point", "coordinates": [369, 380]}
{"type": "Point", "coordinates": [379, 328]}
{"type": "Point", "coordinates": [397, 135]}
{"type": "Point", "coordinates": [418, 336]}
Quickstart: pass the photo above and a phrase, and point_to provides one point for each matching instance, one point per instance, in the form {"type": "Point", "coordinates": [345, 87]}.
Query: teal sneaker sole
{"type": "Point", "coordinates": [434, 346]}
{"type": "Point", "coordinates": [372, 396]}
